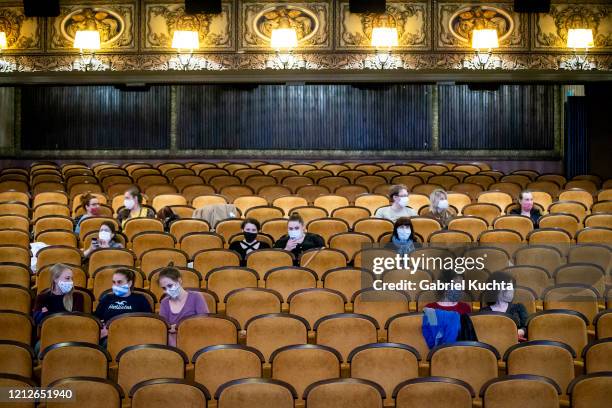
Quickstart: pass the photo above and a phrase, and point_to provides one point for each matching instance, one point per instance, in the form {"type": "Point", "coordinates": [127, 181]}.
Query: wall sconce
{"type": "Point", "coordinates": [579, 38]}
{"type": "Point", "coordinates": [284, 40]}
{"type": "Point", "coordinates": [87, 41]}
{"type": "Point", "coordinates": [183, 41]}
{"type": "Point", "coordinates": [485, 39]}
{"type": "Point", "coordinates": [384, 39]}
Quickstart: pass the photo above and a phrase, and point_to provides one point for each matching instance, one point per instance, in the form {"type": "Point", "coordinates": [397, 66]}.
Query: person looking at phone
{"type": "Point", "coordinates": [297, 239]}
{"type": "Point", "coordinates": [105, 239]}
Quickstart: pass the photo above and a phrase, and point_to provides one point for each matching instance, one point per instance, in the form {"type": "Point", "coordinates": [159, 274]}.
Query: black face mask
{"type": "Point", "coordinates": [250, 236]}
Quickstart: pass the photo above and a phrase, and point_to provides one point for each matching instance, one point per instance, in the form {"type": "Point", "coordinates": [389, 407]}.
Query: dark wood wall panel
{"type": "Point", "coordinates": [394, 117]}
{"type": "Point", "coordinates": [515, 117]}
{"type": "Point", "coordinates": [94, 117]}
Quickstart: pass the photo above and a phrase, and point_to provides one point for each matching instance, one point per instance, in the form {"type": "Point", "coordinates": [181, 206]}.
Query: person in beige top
{"type": "Point", "coordinates": [439, 208]}
{"type": "Point", "coordinates": [399, 207]}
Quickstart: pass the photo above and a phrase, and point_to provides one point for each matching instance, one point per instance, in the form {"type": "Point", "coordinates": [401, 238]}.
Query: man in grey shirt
{"type": "Point", "coordinates": [399, 208]}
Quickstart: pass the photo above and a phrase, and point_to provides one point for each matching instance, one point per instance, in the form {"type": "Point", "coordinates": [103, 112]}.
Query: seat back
{"type": "Point", "coordinates": [255, 393]}
{"type": "Point", "coordinates": [132, 329]}
{"type": "Point", "coordinates": [73, 359]}
{"type": "Point", "coordinates": [433, 392]}
{"type": "Point", "coordinates": [346, 331]}
{"type": "Point", "coordinates": [522, 390]}
{"type": "Point", "coordinates": [160, 393]}
{"type": "Point", "coordinates": [87, 391]}
{"type": "Point", "coordinates": [345, 392]}
{"type": "Point", "coordinates": [269, 332]}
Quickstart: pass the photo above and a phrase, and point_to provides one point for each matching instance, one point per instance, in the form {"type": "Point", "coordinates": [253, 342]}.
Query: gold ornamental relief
{"type": "Point", "coordinates": [464, 21]}
{"type": "Point", "coordinates": [22, 33]}
{"type": "Point", "coordinates": [162, 19]}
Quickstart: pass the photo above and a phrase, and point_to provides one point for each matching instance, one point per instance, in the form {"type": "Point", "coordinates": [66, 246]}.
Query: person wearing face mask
{"type": "Point", "coordinates": [527, 208]}
{"type": "Point", "coordinates": [91, 205]}
{"type": "Point", "coordinates": [132, 201]}
{"type": "Point", "coordinates": [105, 239]}
{"type": "Point", "coordinates": [178, 304]}
{"type": "Point", "coordinates": [402, 239]}
{"type": "Point", "coordinates": [60, 297]}
{"type": "Point", "coordinates": [450, 298]}
{"type": "Point", "coordinates": [297, 239]}
{"type": "Point", "coordinates": [501, 301]}
{"type": "Point", "coordinates": [250, 229]}
{"type": "Point", "coordinates": [121, 300]}
{"type": "Point", "coordinates": [439, 209]}
{"type": "Point", "coordinates": [399, 205]}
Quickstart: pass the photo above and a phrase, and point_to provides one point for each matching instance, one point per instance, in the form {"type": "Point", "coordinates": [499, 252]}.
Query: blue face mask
{"type": "Point", "coordinates": [121, 290]}
{"type": "Point", "coordinates": [403, 234]}
{"type": "Point", "coordinates": [453, 295]}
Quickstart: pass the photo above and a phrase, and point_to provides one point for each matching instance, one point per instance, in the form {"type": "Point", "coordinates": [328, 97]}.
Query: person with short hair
{"type": "Point", "coordinates": [439, 208]}
{"type": "Point", "coordinates": [91, 205]}
{"type": "Point", "coordinates": [399, 206]}
{"type": "Point", "coordinates": [502, 301]}
{"type": "Point", "coordinates": [60, 297]}
{"type": "Point", "coordinates": [121, 300]}
{"type": "Point", "coordinates": [402, 239]}
{"type": "Point", "coordinates": [105, 239]}
{"type": "Point", "coordinates": [132, 201]}
{"type": "Point", "coordinates": [527, 208]}
{"type": "Point", "coordinates": [450, 299]}
{"type": "Point", "coordinates": [178, 304]}
{"type": "Point", "coordinates": [297, 239]}
{"type": "Point", "coordinates": [250, 228]}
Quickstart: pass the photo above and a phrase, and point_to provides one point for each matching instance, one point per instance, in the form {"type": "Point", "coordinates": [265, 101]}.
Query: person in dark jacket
{"type": "Point", "coordinates": [297, 239]}
{"type": "Point", "coordinates": [527, 209]}
{"type": "Point", "coordinates": [451, 296]}
{"type": "Point", "coordinates": [167, 216]}
{"type": "Point", "coordinates": [250, 228]}
{"type": "Point", "coordinates": [132, 202]}
{"type": "Point", "coordinates": [60, 297]}
{"type": "Point", "coordinates": [502, 301]}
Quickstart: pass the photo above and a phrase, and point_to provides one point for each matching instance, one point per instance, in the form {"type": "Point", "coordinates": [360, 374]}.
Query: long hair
{"type": "Point", "coordinates": [434, 199]}
{"type": "Point", "coordinates": [56, 271]}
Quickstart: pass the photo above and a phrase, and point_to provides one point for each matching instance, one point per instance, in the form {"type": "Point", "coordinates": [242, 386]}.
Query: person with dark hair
{"type": "Point", "coordinates": [250, 228]}
{"type": "Point", "coordinates": [60, 297]}
{"type": "Point", "coordinates": [167, 216]}
{"type": "Point", "coordinates": [91, 205]}
{"type": "Point", "coordinates": [501, 301]}
{"type": "Point", "coordinates": [527, 208]}
{"type": "Point", "coordinates": [132, 201]}
{"type": "Point", "coordinates": [402, 239]}
{"type": "Point", "coordinates": [105, 239]}
{"type": "Point", "coordinates": [450, 296]}
{"type": "Point", "coordinates": [399, 205]}
{"type": "Point", "coordinates": [121, 300]}
{"type": "Point", "coordinates": [297, 239]}
{"type": "Point", "coordinates": [178, 304]}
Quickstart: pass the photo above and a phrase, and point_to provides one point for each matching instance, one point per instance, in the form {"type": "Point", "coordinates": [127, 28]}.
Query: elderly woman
{"type": "Point", "coordinates": [439, 209]}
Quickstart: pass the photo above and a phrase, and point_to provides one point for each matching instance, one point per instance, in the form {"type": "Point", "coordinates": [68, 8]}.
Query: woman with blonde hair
{"type": "Point", "coordinates": [439, 209]}
{"type": "Point", "coordinates": [60, 297]}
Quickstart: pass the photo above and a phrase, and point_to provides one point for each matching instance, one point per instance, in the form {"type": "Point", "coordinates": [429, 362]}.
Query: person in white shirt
{"type": "Point", "coordinates": [399, 207]}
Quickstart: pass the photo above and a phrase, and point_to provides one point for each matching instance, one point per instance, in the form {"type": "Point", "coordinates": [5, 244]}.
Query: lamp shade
{"type": "Point", "coordinates": [484, 39]}
{"type": "Point", "coordinates": [283, 38]}
{"type": "Point", "coordinates": [87, 40]}
{"type": "Point", "coordinates": [2, 40]}
{"type": "Point", "coordinates": [186, 40]}
{"type": "Point", "coordinates": [580, 38]}
{"type": "Point", "coordinates": [384, 37]}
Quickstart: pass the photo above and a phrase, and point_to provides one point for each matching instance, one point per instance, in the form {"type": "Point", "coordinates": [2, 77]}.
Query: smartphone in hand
{"type": "Point", "coordinates": [95, 243]}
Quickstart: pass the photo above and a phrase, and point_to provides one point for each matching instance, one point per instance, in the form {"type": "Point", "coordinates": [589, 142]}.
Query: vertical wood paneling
{"type": "Point", "coordinates": [515, 117]}
{"type": "Point", "coordinates": [393, 117]}
{"type": "Point", "coordinates": [94, 117]}
{"type": "Point", "coordinates": [576, 140]}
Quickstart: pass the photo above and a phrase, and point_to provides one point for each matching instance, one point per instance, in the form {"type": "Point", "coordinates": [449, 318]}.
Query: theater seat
{"type": "Point", "coordinates": [164, 392]}
{"type": "Point", "coordinates": [344, 392]}
{"type": "Point", "coordinates": [87, 391]}
{"type": "Point", "coordinates": [591, 390]}
{"type": "Point", "coordinates": [433, 392]}
{"type": "Point", "coordinates": [73, 359]}
{"type": "Point", "coordinates": [526, 391]}
{"type": "Point", "coordinates": [272, 331]}
{"type": "Point", "coordinates": [597, 356]}
{"type": "Point", "coordinates": [130, 329]}
{"type": "Point", "coordinates": [255, 393]}
{"type": "Point", "coordinates": [16, 358]}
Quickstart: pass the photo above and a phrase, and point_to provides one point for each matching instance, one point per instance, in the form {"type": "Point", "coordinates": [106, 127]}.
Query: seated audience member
{"type": "Point", "coordinates": [91, 205]}
{"type": "Point", "coordinates": [450, 297]}
{"type": "Point", "coordinates": [60, 297]}
{"type": "Point", "coordinates": [121, 301]}
{"type": "Point", "coordinates": [167, 216]}
{"type": "Point", "coordinates": [105, 239]}
{"type": "Point", "coordinates": [179, 303]}
{"type": "Point", "coordinates": [133, 207]}
{"type": "Point", "coordinates": [399, 208]}
{"type": "Point", "coordinates": [501, 301]}
{"type": "Point", "coordinates": [402, 239]}
{"type": "Point", "coordinates": [297, 239]}
{"type": "Point", "coordinates": [439, 209]}
{"type": "Point", "coordinates": [250, 228]}
{"type": "Point", "coordinates": [527, 208]}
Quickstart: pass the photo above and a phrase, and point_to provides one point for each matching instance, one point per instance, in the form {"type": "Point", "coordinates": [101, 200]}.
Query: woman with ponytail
{"type": "Point", "coordinates": [60, 297]}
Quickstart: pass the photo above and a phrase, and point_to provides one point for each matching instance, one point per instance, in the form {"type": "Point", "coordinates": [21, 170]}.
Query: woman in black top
{"type": "Point", "coordinates": [297, 240]}
{"type": "Point", "coordinates": [60, 297]}
{"type": "Point", "coordinates": [501, 301]}
{"type": "Point", "coordinates": [250, 228]}
{"type": "Point", "coordinates": [527, 209]}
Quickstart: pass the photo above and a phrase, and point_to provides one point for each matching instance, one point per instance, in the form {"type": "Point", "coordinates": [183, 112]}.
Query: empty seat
{"type": "Point", "coordinates": [73, 359]}
{"type": "Point", "coordinates": [544, 256]}
{"type": "Point", "coordinates": [374, 227]}
{"type": "Point", "coordinates": [381, 305]}
{"type": "Point", "coordinates": [264, 260]}
{"type": "Point", "coordinates": [16, 358]}
{"type": "Point", "coordinates": [197, 332]}
{"type": "Point", "coordinates": [567, 222]}
{"type": "Point", "coordinates": [472, 225]}
{"type": "Point", "coordinates": [344, 392]}
{"type": "Point", "coordinates": [208, 259]}
{"type": "Point", "coordinates": [599, 235]}
{"type": "Point", "coordinates": [347, 280]}
{"type": "Point", "coordinates": [564, 326]}
{"type": "Point", "coordinates": [603, 324]}
{"type": "Point", "coordinates": [227, 278]}
{"type": "Point", "coordinates": [243, 304]}
{"type": "Point", "coordinates": [287, 279]}
{"type": "Point", "coordinates": [519, 223]}
{"type": "Point", "coordinates": [433, 392]}
{"type": "Point", "coordinates": [163, 392]}
{"type": "Point", "coordinates": [346, 331]}
{"type": "Point", "coordinates": [156, 258]}
{"type": "Point", "coordinates": [131, 329]}
{"type": "Point", "coordinates": [193, 242]}
{"type": "Point", "coordinates": [499, 198]}
{"type": "Point", "coordinates": [521, 390]}
{"type": "Point", "coordinates": [425, 226]}
{"type": "Point", "coordinates": [69, 327]}
{"type": "Point", "coordinates": [591, 390]}
{"type": "Point", "coordinates": [272, 331]}
{"type": "Point", "coordinates": [350, 242]}
{"type": "Point", "coordinates": [597, 356]}
{"type": "Point", "coordinates": [581, 298]}
{"type": "Point", "coordinates": [15, 298]}
{"type": "Point", "coordinates": [487, 211]}
{"type": "Point", "coordinates": [327, 227]}
{"type": "Point", "coordinates": [496, 329]}
{"type": "Point", "coordinates": [87, 391]}
{"type": "Point", "coordinates": [181, 227]}
{"type": "Point", "coordinates": [322, 260]}
{"type": "Point", "coordinates": [582, 273]}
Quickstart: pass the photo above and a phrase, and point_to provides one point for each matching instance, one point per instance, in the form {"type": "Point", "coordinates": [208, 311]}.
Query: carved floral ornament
{"type": "Point", "coordinates": [464, 21]}
{"type": "Point", "coordinates": [303, 21]}
{"type": "Point", "coordinates": [109, 24]}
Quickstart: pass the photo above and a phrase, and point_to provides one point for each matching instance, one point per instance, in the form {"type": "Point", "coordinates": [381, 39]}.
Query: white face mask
{"type": "Point", "coordinates": [295, 234]}
{"type": "Point", "coordinates": [174, 291]}
{"type": "Point", "coordinates": [403, 233]}
{"type": "Point", "coordinates": [443, 204]}
{"type": "Point", "coordinates": [104, 236]}
{"type": "Point", "coordinates": [404, 201]}
{"type": "Point", "coordinates": [65, 286]}
{"type": "Point", "coordinates": [129, 203]}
